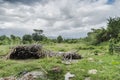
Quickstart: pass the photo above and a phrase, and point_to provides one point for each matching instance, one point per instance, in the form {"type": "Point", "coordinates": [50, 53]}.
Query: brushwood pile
{"type": "Point", "coordinates": [36, 52]}
{"type": "Point", "coordinates": [27, 52]}
{"type": "Point", "coordinates": [72, 55]}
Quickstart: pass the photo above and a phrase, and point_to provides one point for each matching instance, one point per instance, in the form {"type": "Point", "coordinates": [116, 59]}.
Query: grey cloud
{"type": "Point", "coordinates": [2, 11]}
{"type": "Point", "coordinates": [56, 17]}
{"type": "Point", "coordinates": [28, 2]}
{"type": "Point", "coordinates": [15, 31]}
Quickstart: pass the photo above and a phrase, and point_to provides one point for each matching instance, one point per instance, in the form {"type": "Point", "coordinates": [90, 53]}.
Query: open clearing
{"type": "Point", "coordinates": [107, 66]}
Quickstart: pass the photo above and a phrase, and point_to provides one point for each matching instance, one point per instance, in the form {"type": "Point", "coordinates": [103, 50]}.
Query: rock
{"type": "Point", "coordinates": [33, 75]}
{"type": "Point", "coordinates": [66, 62]}
{"type": "Point", "coordinates": [56, 69]}
{"type": "Point", "coordinates": [74, 61]}
{"type": "Point", "coordinates": [92, 71]}
{"type": "Point", "coordinates": [91, 59]}
{"type": "Point", "coordinates": [68, 76]}
{"type": "Point", "coordinates": [8, 78]}
{"type": "Point", "coordinates": [28, 76]}
{"type": "Point", "coordinates": [87, 78]}
{"type": "Point", "coordinates": [60, 54]}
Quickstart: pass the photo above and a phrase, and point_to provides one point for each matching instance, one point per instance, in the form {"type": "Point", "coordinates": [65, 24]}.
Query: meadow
{"type": "Point", "coordinates": [94, 58]}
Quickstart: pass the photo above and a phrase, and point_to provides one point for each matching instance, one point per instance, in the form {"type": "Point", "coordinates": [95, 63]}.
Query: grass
{"type": "Point", "coordinates": [107, 66]}
{"type": "Point", "coordinates": [4, 49]}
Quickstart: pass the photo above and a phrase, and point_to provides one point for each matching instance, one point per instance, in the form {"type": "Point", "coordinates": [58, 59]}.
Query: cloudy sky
{"type": "Point", "coordinates": [69, 18]}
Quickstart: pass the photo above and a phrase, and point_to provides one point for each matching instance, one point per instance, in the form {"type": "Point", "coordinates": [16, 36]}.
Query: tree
{"type": "Point", "coordinates": [12, 37]}
{"type": "Point", "coordinates": [59, 39]}
{"type": "Point", "coordinates": [38, 35]}
{"type": "Point", "coordinates": [102, 35]}
{"type": "Point", "coordinates": [3, 37]}
{"type": "Point", "coordinates": [15, 39]}
{"type": "Point", "coordinates": [113, 27]}
{"type": "Point", "coordinates": [111, 46]}
{"type": "Point", "coordinates": [18, 40]}
{"type": "Point", "coordinates": [4, 40]}
{"type": "Point", "coordinates": [97, 36]}
{"type": "Point", "coordinates": [27, 38]}
{"type": "Point", "coordinates": [37, 31]}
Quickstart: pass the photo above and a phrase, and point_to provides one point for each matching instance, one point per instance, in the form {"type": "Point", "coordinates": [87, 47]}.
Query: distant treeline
{"type": "Point", "coordinates": [37, 36]}
{"type": "Point", "coordinates": [96, 36]}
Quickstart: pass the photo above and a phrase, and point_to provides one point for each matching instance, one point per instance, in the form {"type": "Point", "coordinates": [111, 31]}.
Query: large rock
{"type": "Point", "coordinates": [34, 75]}
{"type": "Point", "coordinates": [9, 78]}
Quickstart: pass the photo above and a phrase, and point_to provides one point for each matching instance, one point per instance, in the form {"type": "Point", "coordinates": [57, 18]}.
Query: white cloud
{"type": "Point", "coordinates": [70, 18]}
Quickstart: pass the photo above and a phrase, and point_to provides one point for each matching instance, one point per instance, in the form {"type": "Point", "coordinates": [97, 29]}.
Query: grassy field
{"type": "Point", "coordinates": [107, 66]}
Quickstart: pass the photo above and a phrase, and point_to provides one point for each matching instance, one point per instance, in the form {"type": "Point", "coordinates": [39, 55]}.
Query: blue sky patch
{"type": "Point", "coordinates": [110, 1]}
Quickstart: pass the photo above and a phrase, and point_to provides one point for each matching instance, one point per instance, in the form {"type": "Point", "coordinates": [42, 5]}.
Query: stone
{"type": "Point", "coordinates": [33, 75]}
{"type": "Point", "coordinates": [68, 76]}
{"type": "Point", "coordinates": [56, 69]}
{"type": "Point", "coordinates": [91, 59]}
{"type": "Point", "coordinates": [87, 78]}
{"type": "Point", "coordinates": [9, 78]}
{"type": "Point", "coordinates": [92, 71]}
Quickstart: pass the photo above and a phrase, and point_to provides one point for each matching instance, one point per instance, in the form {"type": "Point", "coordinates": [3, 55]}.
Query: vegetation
{"type": "Point", "coordinates": [101, 35]}
{"type": "Point", "coordinates": [98, 50]}
{"type": "Point", "coordinates": [59, 39]}
{"type": "Point", "coordinates": [106, 65]}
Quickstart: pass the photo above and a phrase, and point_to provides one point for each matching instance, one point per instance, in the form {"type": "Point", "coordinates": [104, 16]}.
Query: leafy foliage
{"type": "Point", "coordinates": [113, 27]}
{"type": "Point", "coordinates": [96, 36]}
{"type": "Point", "coordinates": [59, 39]}
{"type": "Point", "coordinates": [27, 38]}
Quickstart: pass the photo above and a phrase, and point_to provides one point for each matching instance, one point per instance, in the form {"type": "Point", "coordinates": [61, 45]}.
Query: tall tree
{"type": "Point", "coordinates": [38, 31]}
{"type": "Point", "coordinates": [12, 37]}
{"type": "Point", "coordinates": [4, 40]}
{"type": "Point", "coordinates": [97, 36]}
{"type": "Point", "coordinates": [59, 39]}
{"type": "Point", "coordinates": [27, 38]}
{"type": "Point", "coordinates": [113, 27]}
{"type": "Point", "coordinates": [37, 35]}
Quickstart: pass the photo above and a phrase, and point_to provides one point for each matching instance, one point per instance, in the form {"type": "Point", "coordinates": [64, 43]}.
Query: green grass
{"type": "Point", "coordinates": [4, 49]}
{"type": "Point", "coordinates": [107, 66]}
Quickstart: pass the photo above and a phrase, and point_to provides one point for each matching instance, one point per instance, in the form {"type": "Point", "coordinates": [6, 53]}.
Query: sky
{"type": "Point", "coordinates": [69, 18]}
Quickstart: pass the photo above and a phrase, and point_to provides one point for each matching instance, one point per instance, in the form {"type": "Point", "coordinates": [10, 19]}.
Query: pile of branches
{"type": "Point", "coordinates": [36, 52]}
{"type": "Point", "coordinates": [72, 55]}
{"type": "Point", "coordinates": [27, 52]}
